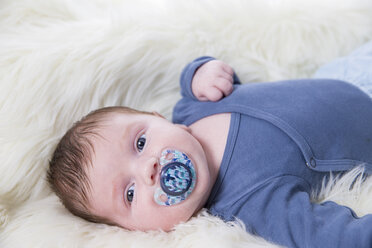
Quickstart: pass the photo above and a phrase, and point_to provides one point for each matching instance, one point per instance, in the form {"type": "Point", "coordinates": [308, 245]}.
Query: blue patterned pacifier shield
{"type": "Point", "coordinates": [177, 178]}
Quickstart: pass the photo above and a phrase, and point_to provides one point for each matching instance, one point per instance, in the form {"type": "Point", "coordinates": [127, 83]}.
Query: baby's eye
{"type": "Point", "coordinates": [140, 143]}
{"type": "Point", "coordinates": [130, 193]}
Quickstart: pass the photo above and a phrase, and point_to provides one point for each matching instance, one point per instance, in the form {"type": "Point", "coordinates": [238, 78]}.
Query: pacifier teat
{"type": "Point", "coordinates": [177, 178]}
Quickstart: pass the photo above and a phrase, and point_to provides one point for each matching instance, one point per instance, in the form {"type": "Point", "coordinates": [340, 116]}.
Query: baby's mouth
{"type": "Point", "coordinates": [177, 178]}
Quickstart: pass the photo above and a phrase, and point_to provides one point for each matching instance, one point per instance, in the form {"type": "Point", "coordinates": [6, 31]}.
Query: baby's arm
{"type": "Point", "coordinates": [281, 211]}
{"type": "Point", "coordinates": [207, 79]}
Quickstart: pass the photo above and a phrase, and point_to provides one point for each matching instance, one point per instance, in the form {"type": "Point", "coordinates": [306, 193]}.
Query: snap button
{"type": "Point", "coordinates": [312, 163]}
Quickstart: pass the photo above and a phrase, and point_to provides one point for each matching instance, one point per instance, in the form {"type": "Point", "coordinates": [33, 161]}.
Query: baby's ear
{"type": "Point", "coordinates": [157, 114]}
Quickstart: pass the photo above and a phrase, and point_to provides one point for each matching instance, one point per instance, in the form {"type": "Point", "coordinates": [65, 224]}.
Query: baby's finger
{"type": "Point", "coordinates": [226, 76]}
{"type": "Point", "coordinates": [228, 69]}
{"type": "Point", "coordinates": [226, 86]}
{"type": "Point", "coordinates": [202, 98]}
{"type": "Point", "coordinates": [213, 94]}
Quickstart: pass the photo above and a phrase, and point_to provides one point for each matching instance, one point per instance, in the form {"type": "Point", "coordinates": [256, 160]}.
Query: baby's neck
{"type": "Point", "coordinates": [212, 132]}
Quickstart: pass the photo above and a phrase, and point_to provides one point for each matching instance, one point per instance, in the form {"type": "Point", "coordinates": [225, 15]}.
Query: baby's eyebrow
{"type": "Point", "coordinates": [128, 132]}
{"type": "Point", "coordinates": [114, 191]}
{"type": "Point", "coordinates": [117, 195]}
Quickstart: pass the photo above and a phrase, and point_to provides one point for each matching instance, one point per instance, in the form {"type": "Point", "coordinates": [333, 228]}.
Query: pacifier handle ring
{"type": "Point", "coordinates": [162, 175]}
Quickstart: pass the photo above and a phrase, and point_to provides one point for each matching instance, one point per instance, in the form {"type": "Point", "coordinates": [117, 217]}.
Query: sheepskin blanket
{"type": "Point", "coordinates": [60, 59]}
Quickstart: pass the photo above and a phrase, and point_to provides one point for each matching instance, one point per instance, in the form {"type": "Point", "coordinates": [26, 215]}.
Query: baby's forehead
{"type": "Point", "coordinates": [118, 123]}
{"type": "Point", "coordinates": [113, 131]}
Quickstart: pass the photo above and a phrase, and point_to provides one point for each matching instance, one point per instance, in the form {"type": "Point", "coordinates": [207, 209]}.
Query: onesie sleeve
{"type": "Point", "coordinates": [188, 73]}
{"type": "Point", "coordinates": [282, 212]}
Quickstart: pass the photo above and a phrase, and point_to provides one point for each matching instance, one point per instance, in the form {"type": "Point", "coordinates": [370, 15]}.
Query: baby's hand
{"type": "Point", "coordinates": [212, 81]}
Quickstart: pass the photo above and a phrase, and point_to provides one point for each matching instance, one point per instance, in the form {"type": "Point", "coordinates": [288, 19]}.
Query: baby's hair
{"type": "Point", "coordinates": [67, 174]}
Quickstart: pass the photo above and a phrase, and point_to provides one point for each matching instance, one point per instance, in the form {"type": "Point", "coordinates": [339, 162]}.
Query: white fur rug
{"type": "Point", "coordinates": [59, 59]}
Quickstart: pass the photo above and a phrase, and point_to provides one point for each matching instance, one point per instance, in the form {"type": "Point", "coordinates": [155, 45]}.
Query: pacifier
{"type": "Point", "coordinates": [177, 178]}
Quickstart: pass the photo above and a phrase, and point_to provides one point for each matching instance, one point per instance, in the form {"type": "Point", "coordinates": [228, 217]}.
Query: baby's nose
{"type": "Point", "coordinates": [151, 172]}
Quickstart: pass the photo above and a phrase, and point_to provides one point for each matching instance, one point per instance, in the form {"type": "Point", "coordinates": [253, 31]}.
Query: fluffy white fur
{"type": "Point", "coordinates": [59, 59]}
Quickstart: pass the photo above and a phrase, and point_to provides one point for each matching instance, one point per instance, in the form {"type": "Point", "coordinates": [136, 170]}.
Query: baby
{"type": "Point", "coordinates": [253, 152]}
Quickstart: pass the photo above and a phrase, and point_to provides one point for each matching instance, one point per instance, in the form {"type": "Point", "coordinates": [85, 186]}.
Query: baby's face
{"type": "Point", "coordinates": [126, 172]}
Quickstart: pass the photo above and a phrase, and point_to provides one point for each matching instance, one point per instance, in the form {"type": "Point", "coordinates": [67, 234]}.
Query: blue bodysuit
{"type": "Point", "coordinates": [284, 139]}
